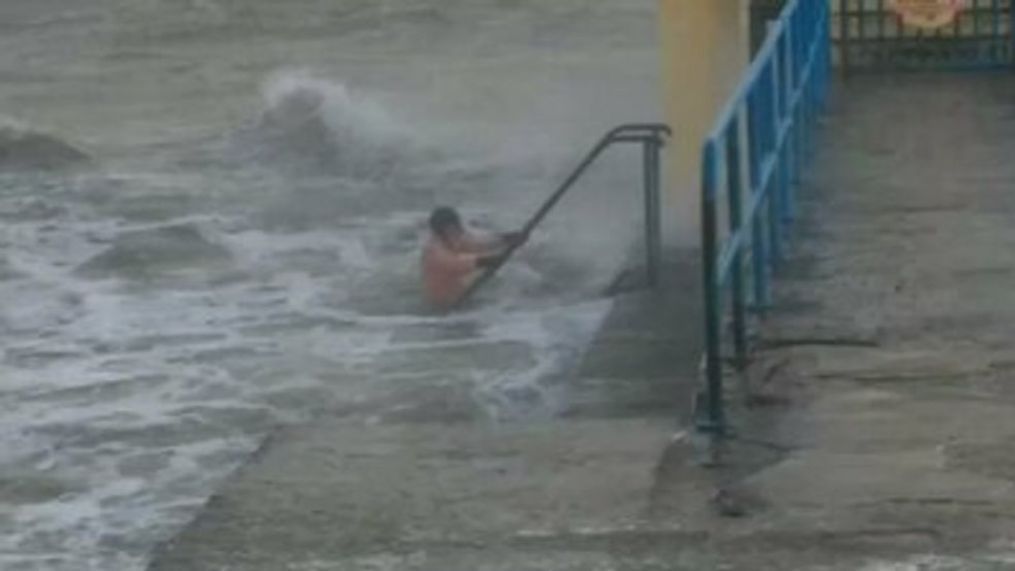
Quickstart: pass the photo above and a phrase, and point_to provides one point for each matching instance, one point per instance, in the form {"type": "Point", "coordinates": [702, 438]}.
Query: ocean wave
{"type": "Point", "coordinates": [157, 251]}
{"type": "Point", "coordinates": [312, 122]}
{"type": "Point", "coordinates": [25, 148]}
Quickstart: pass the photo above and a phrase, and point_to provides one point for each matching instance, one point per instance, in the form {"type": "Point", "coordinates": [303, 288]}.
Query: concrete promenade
{"type": "Point", "coordinates": [875, 430]}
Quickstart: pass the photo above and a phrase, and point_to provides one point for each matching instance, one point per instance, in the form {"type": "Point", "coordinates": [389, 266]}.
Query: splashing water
{"type": "Point", "coordinates": [322, 121]}
{"type": "Point", "coordinates": [245, 253]}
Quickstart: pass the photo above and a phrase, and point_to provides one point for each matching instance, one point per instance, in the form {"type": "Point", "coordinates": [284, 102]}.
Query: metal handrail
{"type": "Point", "coordinates": [753, 159]}
{"type": "Point", "coordinates": [652, 136]}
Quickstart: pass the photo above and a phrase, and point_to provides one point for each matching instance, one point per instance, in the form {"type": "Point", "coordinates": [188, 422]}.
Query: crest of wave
{"type": "Point", "coordinates": [24, 148]}
{"type": "Point", "coordinates": [322, 123]}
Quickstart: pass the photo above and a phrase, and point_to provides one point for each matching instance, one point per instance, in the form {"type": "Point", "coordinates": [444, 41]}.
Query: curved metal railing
{"type": "Point", "coordinates": [652, 137]}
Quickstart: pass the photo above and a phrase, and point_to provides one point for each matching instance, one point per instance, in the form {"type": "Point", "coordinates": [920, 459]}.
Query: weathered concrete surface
{"type": "Point", "coordinates": [347, 494]}
{"type": "Point", "coordinates": [644, 360]}
{"type": "Point", "coordinates": [894, 337]}
{"type": "Point", "coordinates": [879, 432]}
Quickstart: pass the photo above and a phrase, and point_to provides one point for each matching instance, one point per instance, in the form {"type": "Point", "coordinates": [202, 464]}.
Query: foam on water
{"type": "Point", "coordinates": [129, 395]}
{"type": "Point", "coordinates": [142, 396]}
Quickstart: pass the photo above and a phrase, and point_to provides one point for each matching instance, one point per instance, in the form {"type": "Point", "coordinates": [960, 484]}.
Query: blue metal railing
{"type": "Point", "coordinates": [752, 160]}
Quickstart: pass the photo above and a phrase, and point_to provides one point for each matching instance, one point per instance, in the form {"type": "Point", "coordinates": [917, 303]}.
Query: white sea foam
{"type": "Point", "coordinates": [126, 397]}
{"type": "Point", "coordinates": [146, 385]}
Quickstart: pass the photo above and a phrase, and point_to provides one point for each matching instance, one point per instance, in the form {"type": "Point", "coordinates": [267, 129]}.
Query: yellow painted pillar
{"type": "Point", "coordinates": [705, 51]}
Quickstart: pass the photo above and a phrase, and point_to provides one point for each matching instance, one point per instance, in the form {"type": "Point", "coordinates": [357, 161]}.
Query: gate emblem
{"type": "Point", "coordinates": [928, 14]}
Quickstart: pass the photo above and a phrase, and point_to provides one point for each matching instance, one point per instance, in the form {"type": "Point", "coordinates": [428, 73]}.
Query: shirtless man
{"type": "Point", "coordinates": [452, 256]}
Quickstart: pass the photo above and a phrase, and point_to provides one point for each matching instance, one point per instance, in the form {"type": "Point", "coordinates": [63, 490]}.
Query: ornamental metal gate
{"type": "Point", "coordinates": [869, 35]}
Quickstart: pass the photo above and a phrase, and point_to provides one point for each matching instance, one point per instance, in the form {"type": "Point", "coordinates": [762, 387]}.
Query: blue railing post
{"type": "Point", "coordinates": [736, 222]}
{"type": "Point", "coordinates": [825, 57]}
{"type": "Point", "coordinates": [759, 254]}
{"type": "Point", "coordinates": [774, 191]}
{"type": "Point", "coordinates": [791, 128]}
{"type": "Point", "coordinates": [803, 92]}
{"type": "Point", "coordinates": [714, 422]}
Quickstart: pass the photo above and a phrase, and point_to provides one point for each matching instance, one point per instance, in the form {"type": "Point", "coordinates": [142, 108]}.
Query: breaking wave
{"type": "Point", "coordinates": [156, 252]}
{"type": "Point", "coordinates": [312, 122]}
{"type": "Point", "coordinates": [24, 148]}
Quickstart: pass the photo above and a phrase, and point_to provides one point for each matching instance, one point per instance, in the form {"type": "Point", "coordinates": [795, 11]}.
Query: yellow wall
{"type": "Point", "coordinates": [705, 50]}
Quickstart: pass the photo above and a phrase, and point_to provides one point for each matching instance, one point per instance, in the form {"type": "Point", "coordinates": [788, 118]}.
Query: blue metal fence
{"type": "Point", "coordinates": [751, 162]}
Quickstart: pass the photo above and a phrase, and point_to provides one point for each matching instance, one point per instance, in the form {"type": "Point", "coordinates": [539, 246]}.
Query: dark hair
{"type": "Point", "coordinates": [443, 219]}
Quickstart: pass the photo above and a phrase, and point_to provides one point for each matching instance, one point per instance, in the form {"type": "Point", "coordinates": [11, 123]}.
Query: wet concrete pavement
{"type": "Point", "coordinates": [875, 429]}
{"type": "Point", "coordinates": [447, 485]}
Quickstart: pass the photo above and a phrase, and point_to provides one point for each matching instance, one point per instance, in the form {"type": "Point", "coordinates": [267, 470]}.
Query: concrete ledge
{"type": "Point", "coordinates": [341, 493]}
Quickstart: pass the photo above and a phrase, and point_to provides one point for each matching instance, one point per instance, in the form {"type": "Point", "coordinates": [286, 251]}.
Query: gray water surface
{"type": "Point", "coordinates": [211, 216]}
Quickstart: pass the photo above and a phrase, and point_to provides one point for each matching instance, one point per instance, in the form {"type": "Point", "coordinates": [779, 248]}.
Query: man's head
{"type": "Point", "coordinates": [445, 223]}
